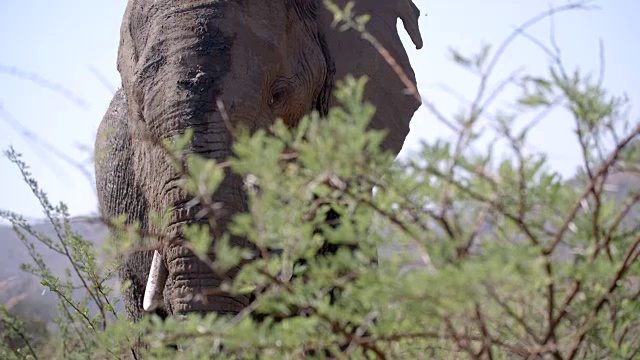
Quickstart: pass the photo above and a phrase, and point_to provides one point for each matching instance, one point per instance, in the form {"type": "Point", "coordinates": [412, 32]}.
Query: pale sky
{"type": "Point", "coordinates": [73, 44]}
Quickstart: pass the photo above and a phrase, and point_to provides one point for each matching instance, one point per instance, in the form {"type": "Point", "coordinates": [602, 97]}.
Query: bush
{"type": "Point", "coordinates": [515, 262]}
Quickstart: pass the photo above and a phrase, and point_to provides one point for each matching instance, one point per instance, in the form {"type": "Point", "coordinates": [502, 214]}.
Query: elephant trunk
{"type": "Point", "coordinates": [173, 78]}
{"type": "Point", "coordinates": [191, 285]}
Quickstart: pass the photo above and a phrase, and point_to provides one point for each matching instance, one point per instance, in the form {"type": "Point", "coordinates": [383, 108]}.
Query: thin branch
{"type": "Point", "coordinates": [44, 83]}
{"type": "Point", "coordinates": [576, 206]}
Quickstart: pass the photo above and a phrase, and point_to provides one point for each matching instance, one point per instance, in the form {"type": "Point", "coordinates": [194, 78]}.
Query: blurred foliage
{"type": "Point", "coordinates": [514, 261]}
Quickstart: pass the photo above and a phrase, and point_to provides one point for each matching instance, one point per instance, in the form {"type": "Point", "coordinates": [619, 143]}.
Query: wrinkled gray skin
{"type": "Point", "coordinates": [262, 60]}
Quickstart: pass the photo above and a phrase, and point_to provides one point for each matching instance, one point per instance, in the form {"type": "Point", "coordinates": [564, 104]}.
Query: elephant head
{"type": "Point", "coordinates": [179, 61]}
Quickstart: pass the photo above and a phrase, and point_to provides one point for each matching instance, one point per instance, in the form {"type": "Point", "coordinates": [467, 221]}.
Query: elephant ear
{"type": "Point", "coordinates": [353, 55]}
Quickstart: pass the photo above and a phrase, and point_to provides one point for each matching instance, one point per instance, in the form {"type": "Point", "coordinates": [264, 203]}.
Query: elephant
{"type": "Point", "coordinates": [178, 61]}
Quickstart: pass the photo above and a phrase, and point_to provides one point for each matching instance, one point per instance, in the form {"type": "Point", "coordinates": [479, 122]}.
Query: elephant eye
{"type": "Point", "coordinates": [279, 92]}
{"type": "Point", "coordinates": [276, 98]}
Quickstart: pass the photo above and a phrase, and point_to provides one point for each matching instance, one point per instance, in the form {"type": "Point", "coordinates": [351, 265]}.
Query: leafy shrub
{"type": "Point", "coordinates": [514, 261]}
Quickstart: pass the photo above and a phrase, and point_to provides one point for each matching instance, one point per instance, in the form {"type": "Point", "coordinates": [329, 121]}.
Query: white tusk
{"type": "Point", "coordinates": [158, 274]}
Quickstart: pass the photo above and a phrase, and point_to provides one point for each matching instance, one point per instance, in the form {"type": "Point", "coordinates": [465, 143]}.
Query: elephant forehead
{"type": "Point", "coordinates": [257, 28]}
{"type": "Point", "coordinates": [263, 20]}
